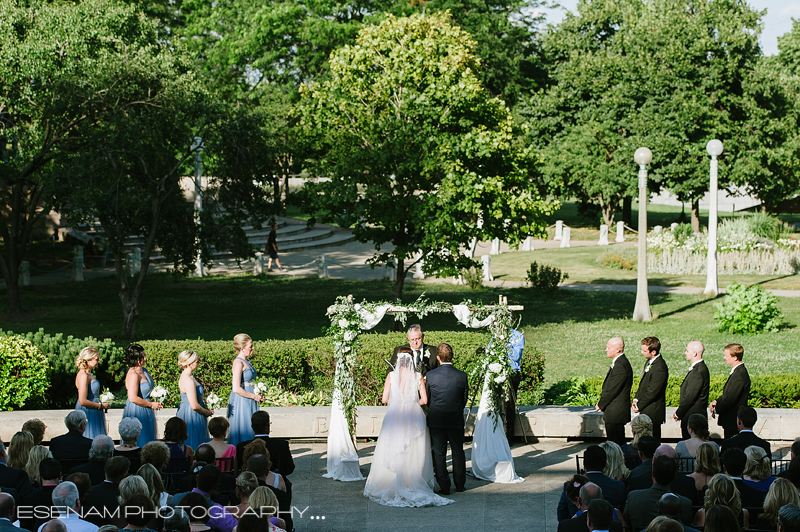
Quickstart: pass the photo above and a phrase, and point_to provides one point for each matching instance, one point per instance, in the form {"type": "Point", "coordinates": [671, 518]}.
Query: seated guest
{"type": "Point", "coordinates": [697, 426]}
{"type": "Point", "coordinates": [37, 429]}
{"type": "Point", "coordinates": [789, 519]}
{"type": "Point", "coordinates": [198, 508]}
{"type": "Point", "coordinates": [722, 492]}
{"type": "Point", "coordinates": [227, 482]}
{"type": "Point", "coordinates": [572, 488]}
{"type": "Point", "coordinates": [578, 523]}
{"type": "Point", "coordinates": [642, 475]}
{"type": "Point", "coordinates": [642, 505]}
{"type": "Point", "coordinates": [721, 519]}
{"type": "Point", "coordinates": [181, 456]}
{"type": "Point", "coordinates": [706, 465]}
{"type": "Point", "coordinates": [139, 513]}
{"type": "Point", "coordinates": [599, 515]}
{"type": "Point", "coordinates": [259, 465]}
{"type": "Point", "coordinates": [257, 447]}
{"type": "Point", "coordinates": [37, 454]}
{"type": "Point", "coordinates": [733, 463]}
{"type": "Point", "coordinates": [665, 524]}
{"type": "Point", "coordinates": [758, 470]}
{"type": "Point", "coordinates": [794, 450]}
{"type": "Point", "coordinates": [83, 483]}
{"type": "Point", "coordinates": [225, 453]}
{"type": "Point", "coordinates": [615, 462]}
{"type": "Point", "coordinates": [54, 525]}
{"type": "Point", "coordinates": [746, 420]}
{"type": "Point", "coordinates": [12, 478]}
{"type": "Point", "coordinates": [72, 445]}
{"type": "Point", "coordinates": [792, 474]}
{"type": "Point", "coordinates": [129, 430]}
{"type": "Point", "coordinates": [128, 487]}
{"type": "Point", "coordinates": [102, 500]}
{"type": "Point", "coordinates": [156, 453]}
{"type": "Point", "coordinates": [781, 493]}
{"type": "Point", "coordinates": [7, 508]}
{"type": "Point", "coordinates": [280, 454]}
{"type": "Point", "coordinates": [246, 484]}
{"type": "Point", "coordinates": [264, 504]}
{"type": "Point", "coordinates": [207, 482]}
{"type": "Point", "coordinates": [641, 426]}
{"type": "Point", "coordinates": [669, 506]}
{"type": "Point", "coordinates": [19, 449]}
{"type": "Point", "coordinates": [65, 501]}
{"type": "Point", "coordinates": [176, 521]}
{"type": "Point", "coordinates": [50, 471]}
{"type": "Point", "coordinates": [99, 453]}
{"type": "Point", "coordinates": [152, 478]}
{"type": "Point", "coordinates": [594, 462]}
{"type": "Point", "coordinates": [253, 523]}
{"type": "Point", "coordinates": [682, 484]}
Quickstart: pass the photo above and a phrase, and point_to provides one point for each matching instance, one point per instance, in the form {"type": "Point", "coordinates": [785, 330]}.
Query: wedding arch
{"type": "Point", "coordinates": [491, 456]}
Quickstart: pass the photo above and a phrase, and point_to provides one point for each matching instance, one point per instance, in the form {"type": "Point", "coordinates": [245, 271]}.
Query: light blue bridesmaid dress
{"type": "Point", "coordinates": [241, 409]}
{"type": "Point", "coordinates": [196, 423]}
{"type": "Point", "coordinates": [143, 413]}
{"type": "Point", "coordinates": [95, 419]}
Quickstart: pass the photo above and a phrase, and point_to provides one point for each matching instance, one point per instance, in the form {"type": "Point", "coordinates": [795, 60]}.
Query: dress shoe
{"type": "Point", "coordinates": [459, 490]}
{"type": "Point", "coordinates": [443, 492]}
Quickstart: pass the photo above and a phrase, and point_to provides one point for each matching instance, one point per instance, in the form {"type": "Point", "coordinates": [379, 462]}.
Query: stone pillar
{"type": "Point", "coordinates": [486, 266]}
{"type": "Point", "coordinates": [495, 247]}
{"type": "Point", "coordinates": [322, 267]}
{"type": "Point", "coordinates": [657, 229]}
{"type": "Point", "coordinates": [673, 226]}
{"type": "Point", "coordinates": [418, 273]}
{"type": "Point", "coordinates": [136, 261]}
{"type": "Point", "coordinates": [77, 264]}
{"type": "Point", "coordinates": [565, 237]}
{"type": "Point", "coordinates": [391, 270]}
{"type": "Point", "coordinates": [620, 232]}
{"type": "Point", "coordinates": [559, 229]}
{"type": "Point", "coordinates": [527, 245]}
{"type": "Point", "coordinates": [603, 235]}
{"type": "Point", "coordinates": [458, 279]}
{"type": "Point", "coordinates": [258, 268]}
{"type": "Point", "coordinates": [24, 273]}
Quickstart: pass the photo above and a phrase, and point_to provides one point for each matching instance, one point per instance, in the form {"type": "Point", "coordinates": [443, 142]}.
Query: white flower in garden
{"type": "Point", "coordinates": [349, 336]}
{"type": "Point", "coordinates": [343, 323]}
{"type": "Point", "coordinates": [495, 367]}
{"type": "Point", "coordinates": [499, 379]}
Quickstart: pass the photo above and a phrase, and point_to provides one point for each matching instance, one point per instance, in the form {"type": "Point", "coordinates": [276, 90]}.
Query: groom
{"type": "Point", "coordinates": [447, 397]}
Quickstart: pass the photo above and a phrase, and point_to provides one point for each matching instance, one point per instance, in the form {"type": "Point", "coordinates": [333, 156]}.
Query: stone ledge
{"type": "Point", "coordinates": [775, 424]}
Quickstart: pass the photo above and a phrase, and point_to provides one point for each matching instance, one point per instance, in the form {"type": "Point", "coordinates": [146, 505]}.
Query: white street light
{"type": "Point", "coordinates": [197, 148]}
{"type": "Point", "coordinates": [641, 311]}
{"type": "Point", "coordinates": [714, 148]}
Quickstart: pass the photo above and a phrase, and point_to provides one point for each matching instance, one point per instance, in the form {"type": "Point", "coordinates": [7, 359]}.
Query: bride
{"type": "Point", "coordinates": [402, 468]}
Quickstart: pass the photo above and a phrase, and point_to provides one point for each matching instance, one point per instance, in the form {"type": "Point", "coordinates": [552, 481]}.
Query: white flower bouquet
{"type": "Point", "coordinates": [106, 396]}
{"type": "Point", "coordinates": [213, 401]}
{"type": "Point", "coordinates": [260, 388]}
{"type": "Point", "coordinates": [159, 393]}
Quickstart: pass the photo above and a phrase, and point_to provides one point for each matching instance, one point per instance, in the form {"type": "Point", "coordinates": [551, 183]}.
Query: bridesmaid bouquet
{"type": "Point", "coordinates": [213, 401]}
{"type": "Point", "coordinates": [260, 388]}
{"type": "Point", "coordinates": [159, 393]}
{"type": "Point", "coordinates": [106, 396]}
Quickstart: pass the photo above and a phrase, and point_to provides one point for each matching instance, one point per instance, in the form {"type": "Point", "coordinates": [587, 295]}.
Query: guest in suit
{"type": "Point", "coordinates": [694, 388]}
{"type": "Point", "coordinates": [279, 452]}
{"type": "Point", "coordinates": [615, 399]}
{"type": "Point", "coordinates": [50, 474]}
{"type": "Point", "coordinates": [65, 498]}
{"type": "Point", "coordinates": [642, 505]}
{"type": "Point", "coordinates": [734, 394]}
{"type": "Point", "coordinates": [73, 445]}
{"type": "Point", "coordinates": [733, 463]}
{"type": "Point", "coordinates": [7, 514]}
{"type": "Point", "coordinates": [594, 462]}
{"type": "Point", "coordinates": [447, 389]}
{"type": "Point", "coordinates": [746, 419]}
{"type": "Point", "coordinates": [11, 477]}
{"type": "Point", "coordinates": [100, 452]}
{"type": "Point", "coordinates": [102, 499]}
{"type": "Point", "coordinates": [642, 475]}
{"type": "Point", "coordinates": [651, 396]}
{"type": "Point", "coordinates": [600, 515]}
{"type": "Point", "coordinates": [669, 506]}
{"type": "Point", "coordinates": [588, 492]}
{"type": "Point", "coordinates": [424, 354]}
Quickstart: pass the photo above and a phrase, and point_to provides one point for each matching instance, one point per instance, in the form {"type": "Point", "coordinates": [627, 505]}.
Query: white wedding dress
{"type": "Point", "coordinates": [402, 467]}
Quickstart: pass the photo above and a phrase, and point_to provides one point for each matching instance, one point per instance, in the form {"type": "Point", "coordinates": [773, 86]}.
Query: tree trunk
{"type": "Point", "coordinates": [276, 195]}
{"type": "Point", "coordinates": [696, 216]}
{"type": "Point", "coordinates": [398, 288]}
{"type": "Point", "coordinates": [14, 302]}
{"type": "Point", "coordinates": [627, 216]}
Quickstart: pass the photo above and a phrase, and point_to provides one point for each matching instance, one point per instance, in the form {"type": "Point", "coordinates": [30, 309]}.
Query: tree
{"type": "Point", "coordinates": [416, 150]}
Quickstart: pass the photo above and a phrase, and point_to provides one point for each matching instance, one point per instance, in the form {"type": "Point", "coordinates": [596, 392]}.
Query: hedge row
{"type": "Point", "coordinates": [766, 391]}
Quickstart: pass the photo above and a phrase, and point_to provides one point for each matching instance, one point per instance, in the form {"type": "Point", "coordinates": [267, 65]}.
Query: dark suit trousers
{"type": "Point", "coordinates": [440, 438]}
{"type": "Point", "coordinates": [657, 431]}
{"type": "Point", "coordinates": [616, 432]}
{"type": "Point", "coordinates": [685, 428]}
{"type": "Point", "coordinates": [730, 429]}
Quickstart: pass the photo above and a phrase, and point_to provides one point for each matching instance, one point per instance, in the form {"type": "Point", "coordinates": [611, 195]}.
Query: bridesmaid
{"type": "Point", "coordinates": [192, 410]}
{"type": "Point", "coordinates": [139, 383]}
{"type": "Point", "coordinates": [89, 393]}
{"type": "Point", "coordinates": [243, 403]}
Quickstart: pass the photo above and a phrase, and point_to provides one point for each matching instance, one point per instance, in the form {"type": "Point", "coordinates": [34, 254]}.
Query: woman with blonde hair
{"type": "Point", "coordinates": [35, 457]}
{"type": "Point", "coordinates": [758, 470]}
{"type": "Point", "coordinates": [89, 393]}
{"type": "Point", "coordinates": [722, 492]}
{"type": "Point", "coordinates": [641, 425]}
{"type": "Point", "coordinates": [706, 465]}
{"type": "Point", "coordinates": [781, 493]}
{"type": "Point", "coordinates": [152, 478]}
{"type": "Point", "coordinates": [243, 401]}
{"type": "Point", "coordinates": [615, 462]}
{"type": "Point", "coordinates": [246, 484]}
{"type": "Point", "coordinates": [264, 503]}
{"type": "Point", "coordinates": [192, 409]}
{"type": "Point", "coordinates": [19, 449]}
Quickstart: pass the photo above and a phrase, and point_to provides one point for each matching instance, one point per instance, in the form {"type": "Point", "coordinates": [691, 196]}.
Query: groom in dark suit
{"type": "Point", "coordinates": [615, 398]}
{"type": "Point", "coordinates": [447, 396]}
{"type": "Point", "coordinates": [694, 389]}
{"type": "Point", "coordinates": [651, 397]}
{"type": "Point", "coordinates": [424, 354]}
{"type": "Point", "coordinates": [735, 392]}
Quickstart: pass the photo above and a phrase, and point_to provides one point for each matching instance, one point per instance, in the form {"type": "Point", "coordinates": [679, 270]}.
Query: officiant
{"type": "Point", "coordinates": [424, 354]}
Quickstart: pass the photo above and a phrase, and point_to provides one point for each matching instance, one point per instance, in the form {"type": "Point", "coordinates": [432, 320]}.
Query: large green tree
{"type": "Point", "coordinates": [415, 149]}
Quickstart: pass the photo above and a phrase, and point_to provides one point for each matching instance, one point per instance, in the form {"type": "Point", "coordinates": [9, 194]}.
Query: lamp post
{"type": "Point", "coordinates": [714, 148]}
{"type": "Point", "coordinates": [197, 148]}
{"type": "Point", "coordinates": [641, 311]}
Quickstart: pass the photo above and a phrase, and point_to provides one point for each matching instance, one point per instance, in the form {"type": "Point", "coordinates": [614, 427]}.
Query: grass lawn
{"type": "Point", "coordinates": [570, 327]}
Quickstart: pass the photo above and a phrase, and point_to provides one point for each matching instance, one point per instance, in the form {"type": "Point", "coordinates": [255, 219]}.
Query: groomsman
{"type": "Point", "coordinates": [735, 392]}
{"type": "Point", "coordinates": [694, 389]}
{"type": "Point", "coordinates": [651, 397]}
{"type": "Point", "coordinates": [615, 398]}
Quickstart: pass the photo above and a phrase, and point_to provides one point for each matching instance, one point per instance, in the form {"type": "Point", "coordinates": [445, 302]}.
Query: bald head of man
{"type": "Point", "coordinates": [54, 525]}
{"type": "Point", "coordinates": [6, 506]}
{"type": "Point", "coordinates": [615, 347]}
{"type": "Point", "coordinates": [694, 351]}
{"type": "Point", "coordinates": [665, 450]}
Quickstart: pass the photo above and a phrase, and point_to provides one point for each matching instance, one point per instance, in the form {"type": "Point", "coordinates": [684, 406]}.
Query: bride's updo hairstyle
{"type": "Point", "coordinates": [187, 358]}
{"type": "Point", "coordinates": [240, 340]}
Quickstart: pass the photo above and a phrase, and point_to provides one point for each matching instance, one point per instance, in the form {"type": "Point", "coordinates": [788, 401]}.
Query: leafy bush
{"type": "Point", "coordinates": [764, 226]}
{"type": "Point", "coordinates": [473, 277]}
{"type": "Point", "coordinates": [683, 232]}
{"type": "Point", "coordinates": [735, 234]}
{"type": "Point", "coordinates": [24, 372]}
{"type": "Point", "coordinates": [619, 260]}
{"type": "Point", "coordinates": [748, 310]}
{"type": "Point", "coordinates": [545, 278]}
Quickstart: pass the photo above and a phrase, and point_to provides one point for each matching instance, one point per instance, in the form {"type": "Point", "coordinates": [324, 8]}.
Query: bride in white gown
{"type": "Point", "coordinates": [402, 467]}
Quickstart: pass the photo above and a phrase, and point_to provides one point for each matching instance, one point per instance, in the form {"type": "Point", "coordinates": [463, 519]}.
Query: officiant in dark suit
{"type": "Point", "coordinates": [447, 396]}
{"type": "Point", "coordinates": [694, 388]}
{"type": "Point", "coordinates": [651, 397]}
{"type": "Point", "coordinates": [424, 354]}
{"type": "Point", "coordinates": [734, 394]}
{"type": "Point", "coordinates": [615, 398]}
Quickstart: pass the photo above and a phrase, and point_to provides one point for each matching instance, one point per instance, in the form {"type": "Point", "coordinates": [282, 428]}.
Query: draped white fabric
{"type": "Point", "coordinates": [464, 316]}
{"type": "Point", "coordinates": [342, 454]}
{"type": "Point", "coordinates": [491, 455]}
{"type": "Point", "coordinates": [370, 319]}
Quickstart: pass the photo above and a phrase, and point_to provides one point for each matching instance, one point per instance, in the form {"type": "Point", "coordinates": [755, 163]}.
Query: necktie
{"type": "Point", "coordinates": [417, 358]}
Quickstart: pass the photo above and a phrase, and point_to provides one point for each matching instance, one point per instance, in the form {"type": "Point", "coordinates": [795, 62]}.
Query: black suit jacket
{"type": "Point", "coordinates": [743, 440]}
{"type": "Point", "coordinates": [751, 497]}
{"type": "Point", "coordinates": [642, 506]}
{"type": "Point", "coordinates": [100, 502]}
{"type": "Point", "coordinates": [615, 399]}
{"type": "Point", "coordinates": [641, 477]}
{"type": "Point", "coordinates": [11, 477]}
{"type": "Point", "coordinates": [6, 526]}
{"type": "Point", "coordinates": [43, 497]}
{"type": "Point", "coordinates": [447, 389]}
{"type": "Point", "coordinates": [579, 524]}
{"type": "Point", "coordinates": [652, 392]}
{"type": "Point", "coordinates": [95, 470]}
{"type": "Point", "coordinates": [694, 392]}
{"type": "Point", "coordinates": [279, 454]}
{"type": "Point", "coordinates": [429, 360]}
{"type": "Point", "coordinates": [70, 446]}
{"type": "Point", "coordinates": [734, 395]}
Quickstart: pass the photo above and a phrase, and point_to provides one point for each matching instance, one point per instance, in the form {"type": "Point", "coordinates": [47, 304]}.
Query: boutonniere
{"type": "Point", "coordinates": [647, 367]}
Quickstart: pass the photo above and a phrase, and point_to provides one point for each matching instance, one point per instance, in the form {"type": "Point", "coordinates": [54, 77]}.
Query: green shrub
{"type": "Point", "coordinates": [683, 232]}
{"type": "Point", "coordinates": [473, 277]}
{"type": "Point", "coordinates": [765, 226]}
{"type": "Point", "coordinates": [619, 260]}
{"type": "Point", "coordinates": [24, 374]}
{"type": "Point", "coordinates": [748, 310]}
{"type": "Point", "coordinates": [545, 278]}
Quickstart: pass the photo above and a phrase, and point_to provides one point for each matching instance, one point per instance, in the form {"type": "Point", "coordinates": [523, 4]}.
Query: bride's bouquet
{"type": "Point", "coordinates": [213, 401]}
{"type": "Point", "coordinates": [159, 393]}
{"type": "Point", "coordinates": [260, 388]}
